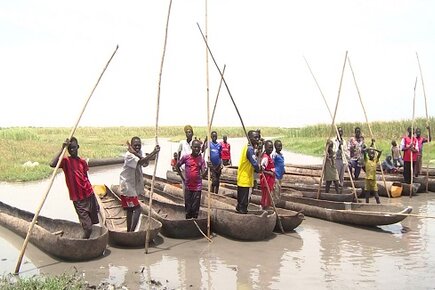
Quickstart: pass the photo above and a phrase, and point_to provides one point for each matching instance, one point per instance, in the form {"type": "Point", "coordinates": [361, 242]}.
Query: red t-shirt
{"type": "Point", "coordinates": [76, 177]}
{"type": "Point", "coordinates": [226, 151]}
{"type": "Point", "coordinates": [407, 153]}
{"type": "Point", "coordinates": [192, 171]}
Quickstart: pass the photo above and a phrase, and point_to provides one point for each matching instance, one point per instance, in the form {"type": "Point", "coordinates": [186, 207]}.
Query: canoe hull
{"type": "Point", "coordinates": [69, 246]}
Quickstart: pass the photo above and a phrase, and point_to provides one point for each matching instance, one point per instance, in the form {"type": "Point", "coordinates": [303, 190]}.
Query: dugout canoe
{"type": "Point", "coordinates": [359, 214]}
{"type": "Point", "coordinates": [256, 225]}
{"type": "Point", "coordinates": [289, 181]}
{"type": "Point", "coordinates": [59, 238]}
{"type": "Point", "coordinates": [115, 219]}
{"type": "Point", "coordinates": [173, 218]}
{"type": "Point", "coordinates": [92, 162]}
{"type": "Point", "coordinates": [291, 166]}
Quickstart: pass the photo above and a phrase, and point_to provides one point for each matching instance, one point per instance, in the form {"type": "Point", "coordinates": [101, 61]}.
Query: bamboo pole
{"type": "Point", "coordinates": [343, 156]}
{"type": "Point", "coordinates": [208, 126]}
{"type": "Point", "coordinates": [412, 140]}
{"type": "Point", "coordinates": [147, 236]}
{"type": "Point", "coordinates": [53, 175]}
{"type": "Point", "coordinates": [427, 119]}
{"type": "Point", "coordinates": [367, 122]}
{"type": "Point", "coordinates": [229, 92]}
{"type": "Point", "coordinates": [217, 97]}
{"type": "Point", "coordinates": [332, 125]}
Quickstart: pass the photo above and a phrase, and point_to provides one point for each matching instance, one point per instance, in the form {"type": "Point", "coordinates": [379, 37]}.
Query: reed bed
{"type": "Point", "coordinates": [21, 144]}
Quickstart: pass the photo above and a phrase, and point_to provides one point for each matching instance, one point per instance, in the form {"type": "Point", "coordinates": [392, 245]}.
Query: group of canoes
{"type": "Point", "coordinates": [62, 239]}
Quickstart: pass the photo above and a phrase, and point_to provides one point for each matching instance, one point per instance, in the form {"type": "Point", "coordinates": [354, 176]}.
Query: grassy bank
{"type": "Point", "coordinates": [22, 144]}
{"type": "Point", "coordinates": [10, 282]}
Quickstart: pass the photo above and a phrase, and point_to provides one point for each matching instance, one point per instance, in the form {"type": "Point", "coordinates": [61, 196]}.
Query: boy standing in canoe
{"type": "Point", "coordinates": [278, 159]}
{"type": "Point", "coordinates": [194, 169]}
{"type": "Point", "coordinates": [131, 180]}
{"type": "Point", "coordinates": [80, 189]}
{"type": "Point", "coordinates": [226, 151]}
{"type": "Point", "coordinates": [267, 179]}
{"type": "Point", "coordinates": [371, 185]}
{"type": "Point", "coordinates": [245, 173]}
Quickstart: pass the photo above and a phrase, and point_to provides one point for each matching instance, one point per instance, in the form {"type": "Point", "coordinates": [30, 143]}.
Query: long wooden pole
{"type": "Point", "coordinates": [427, 119]}
{"type": "Point", "coordinates": [367, 121]}
{"type": "Point", "coordinates": [343, 156]}
{"type": "Point", "coordinates": [332, 125]}
{"type": "Point", "coordinates": [412, 140]}
{"type": "Point", "coordinates": [231, 96]}
{"type": "Point", "coordinates": [147, 236]}
{"type": "Point", "coordinates": [217, 97]}
{"type": "Point", "coordinates": [225, 82]}
{"type": "Point", "coordinates": [208, 125]}
{"type": "Point", "coordinates": [53, 175]}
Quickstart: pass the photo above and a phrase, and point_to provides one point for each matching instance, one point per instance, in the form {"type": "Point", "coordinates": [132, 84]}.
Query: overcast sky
{"type": "Point", "coordinates": [52, 53]}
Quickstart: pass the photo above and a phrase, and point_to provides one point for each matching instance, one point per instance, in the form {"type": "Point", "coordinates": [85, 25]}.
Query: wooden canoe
{"type": "Point", "coordinates": [289, 181]}
{"type": "Point", "coordinates": [58, 238]}
{"type": "Point", "coordinates": [256, 225]}
{"type": "Point", "coordinates": [360, 214]}
{"type": "Point", "coordinates": [116, 222]}
{"type": "Point", "coordinates": [173, 218]}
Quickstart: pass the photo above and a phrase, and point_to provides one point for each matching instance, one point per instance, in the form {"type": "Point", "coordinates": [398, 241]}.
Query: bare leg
{"type": "Point", "coordinates": [367, 194]}
{"type": "Point", "coordinates": [337, 186]}
{"type": "Point", "coordinates": [135, 218]}
{"type": "Point", "coordinates": [129, 218]}
{"type": "Point", "coordinates": [377, 197]}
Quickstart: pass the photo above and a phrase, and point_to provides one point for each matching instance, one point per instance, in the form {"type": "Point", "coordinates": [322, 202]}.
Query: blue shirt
{"type": "Point", "coordinates": [279, 165]}
{"type": "Point", "coordinates": [215, 153]}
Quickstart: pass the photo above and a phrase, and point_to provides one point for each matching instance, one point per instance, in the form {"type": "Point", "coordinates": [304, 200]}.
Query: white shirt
{"type": "Point", "coordinates": [131, 177]}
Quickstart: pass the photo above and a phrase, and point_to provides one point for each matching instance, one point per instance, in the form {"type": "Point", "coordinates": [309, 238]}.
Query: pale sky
{"type": "Point", "coordinates": [52, 53]}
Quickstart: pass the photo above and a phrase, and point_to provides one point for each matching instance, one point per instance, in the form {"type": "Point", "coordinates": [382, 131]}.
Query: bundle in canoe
{"type": "Point", "coordinates": [173, 217]}
{"type": "Point", "coordinates": [115, 217]}
{"type": "Point", "coordinates": [58, 238]}
{"type": "Point", "coordinates": [256, 225]}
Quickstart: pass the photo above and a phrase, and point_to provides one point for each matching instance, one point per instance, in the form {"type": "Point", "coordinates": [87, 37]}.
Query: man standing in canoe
{"type": "Point", "coordinates": [267, 179]}
{"type": "Point", "coordinates": [216, 162]}
{"type": "Point", "coordinates": [409, 144]}
{"type": "Point", "coordinates": [356, 146]}
{"type": "Point", "coordinates": [79, 186]}
{"type": "Point", "coordinates": [420, 140]}
{"type": "Point", "coordinates": [245, 174]}
{"type": "Point", "coordinates": [185, 146]}
{"type": "Point", "coordinates": [131, 180]}
{"type": "Point", "coordinates": [341, 154]}
{"type": "Point", "coordinates": [192, 179]}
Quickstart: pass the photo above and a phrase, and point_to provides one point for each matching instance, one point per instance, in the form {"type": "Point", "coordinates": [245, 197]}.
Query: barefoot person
{"type": "Point", "coordinates": [131, 180]}
{"type": "Point", "coordinates": [371, 162]}
{"type": "Point", "coordinates": [226, 151]}
{"type": "Point", "coordinates": [267, 179]}
{"type": "Point", "coordinates": [245, 174]}
{"type": "Point", "coordinates": [194, 170]}
{"type": "Point", "coordinates": [79, 186]}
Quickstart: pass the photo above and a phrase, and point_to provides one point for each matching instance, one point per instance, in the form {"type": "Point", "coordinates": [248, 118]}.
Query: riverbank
{"type": "Point", "coordinates": [27, 151]}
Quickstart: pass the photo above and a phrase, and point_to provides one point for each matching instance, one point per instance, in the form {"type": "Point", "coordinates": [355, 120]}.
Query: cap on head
{"type": "Point", "coordinates": [188, 127]}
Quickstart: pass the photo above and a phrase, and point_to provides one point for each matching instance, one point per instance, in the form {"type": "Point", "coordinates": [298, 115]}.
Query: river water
{"type": "Point", "coordinates": [317, 255]}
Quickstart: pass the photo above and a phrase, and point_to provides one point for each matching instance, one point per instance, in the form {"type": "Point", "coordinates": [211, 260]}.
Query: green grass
{"type": "Point", "coordinates": [64, 281]}
{"type": "Point", "coordinates": [21, 144]}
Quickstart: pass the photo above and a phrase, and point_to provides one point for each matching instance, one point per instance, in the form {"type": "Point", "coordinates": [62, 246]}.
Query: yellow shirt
{"type": "Point", "coordinates": [245, 173]}
{"type": "Point", "coordinates": [371, 169]}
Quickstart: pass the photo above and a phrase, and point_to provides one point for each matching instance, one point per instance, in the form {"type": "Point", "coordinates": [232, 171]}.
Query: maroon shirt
{"type": "Point", "coordinates": [76, 177]}
{"type": "Point", "coordinates": [192, 171]}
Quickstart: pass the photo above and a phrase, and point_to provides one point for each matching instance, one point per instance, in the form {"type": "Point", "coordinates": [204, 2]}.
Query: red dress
{"type": "Point", "coordinates": [267, 181]}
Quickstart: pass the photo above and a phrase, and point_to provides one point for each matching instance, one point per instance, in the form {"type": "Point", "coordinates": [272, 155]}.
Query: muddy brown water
{"type": "Point", "coordinates": [317, 255]}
